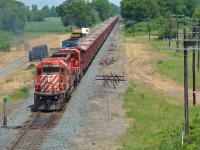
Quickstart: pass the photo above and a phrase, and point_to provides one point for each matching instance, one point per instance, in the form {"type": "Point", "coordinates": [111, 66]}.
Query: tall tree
{"type": "Point", "coordinates": [13, 15]}
{"type": "Point", "coordinates": [53, 12]}
{"type": "Point", "coordinates": [75, 13]}
{"type": "Point", "coordinates": [46, 11]}
{"type": "Point", "coordinates": [36, 14]}
{"type": "Point", "coordinates": [190, 5]}
{"type": "Point", "coordinates": [114, 10]}
{"type": "Point", "coordinates": [173, 6]}
{"type": "Point", "coordinates": [139, 9]}
{"type": "Point", "coordinates": [103, 8]}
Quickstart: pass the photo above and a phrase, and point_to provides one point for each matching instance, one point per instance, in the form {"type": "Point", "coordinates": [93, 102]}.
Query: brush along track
{"type": "Point", "coordinates": [35, 130]}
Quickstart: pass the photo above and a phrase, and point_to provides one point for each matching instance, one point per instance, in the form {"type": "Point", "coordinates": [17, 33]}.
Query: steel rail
{"type": "Point", "coordinates": [44, 129]}
{"type": "Point", "coordinates": [21, 136]}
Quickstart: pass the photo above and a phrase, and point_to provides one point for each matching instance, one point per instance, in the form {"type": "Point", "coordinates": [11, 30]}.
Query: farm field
{"type": "Point", "coordinates": [49, 25]}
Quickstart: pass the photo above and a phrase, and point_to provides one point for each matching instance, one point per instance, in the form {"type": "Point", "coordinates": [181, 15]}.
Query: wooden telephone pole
{"type": "Point", "coordinates": [185, 50]}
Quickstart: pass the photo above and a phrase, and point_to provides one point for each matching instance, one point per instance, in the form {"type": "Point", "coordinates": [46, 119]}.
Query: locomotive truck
{"type": "Point", "coordinates": [57, 75]}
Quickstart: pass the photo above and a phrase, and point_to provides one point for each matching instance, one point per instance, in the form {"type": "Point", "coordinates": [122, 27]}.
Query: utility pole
{"type": "Point", "coordinates": [198, 59]}
{"type": "Point", "coordinates": [186, 83]}
{"type": "Point", "coordinates": [177, 32]}
{"type": "Point", "coordinates": [149, 31]}
{"type": "Point", "coordinates": [185, 52]}
{"type": "Point", "coordinates": [132, 24]}
{"type": "Point", "coordinates": [170, 31]}
{"type": "Point", "coordinates": [194, 69]}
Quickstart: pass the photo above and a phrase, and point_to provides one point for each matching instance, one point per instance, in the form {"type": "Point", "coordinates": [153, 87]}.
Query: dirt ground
{"type": "Point", "coordinates": [142, 59]}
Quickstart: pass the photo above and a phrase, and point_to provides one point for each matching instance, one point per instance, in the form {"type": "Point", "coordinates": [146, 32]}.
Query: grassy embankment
{"type": "Point", "coordinates": [157, 119]}
{"type": "Point", "coordinates": [18, 85]}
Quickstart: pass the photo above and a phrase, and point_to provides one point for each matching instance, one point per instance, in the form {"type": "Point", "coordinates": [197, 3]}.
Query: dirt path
{"type": "Point", "coordinates": [140, 62]}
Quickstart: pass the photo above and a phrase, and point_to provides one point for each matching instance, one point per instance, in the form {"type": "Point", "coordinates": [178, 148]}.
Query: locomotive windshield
{"type": "Point", "coordinates": [51, 69]}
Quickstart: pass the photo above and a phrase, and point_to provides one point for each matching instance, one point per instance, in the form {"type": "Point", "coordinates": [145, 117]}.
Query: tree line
{"type": "Point", "coordinates": [160, 13]}
{"type": "Point", "coordinates": [85, 13]}
{"type": "Point", "coordinates": [139, 10]}
{"type": "Point", "coordinates": [14, 15]}
{"type": "Point", "coordinates": [36, 15]}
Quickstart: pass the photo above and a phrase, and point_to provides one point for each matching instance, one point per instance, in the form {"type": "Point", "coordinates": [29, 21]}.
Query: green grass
{"type": "Point", "coordinates": [50, 25]}
{"type": "Point", "coordinates": [136, 34]}
{"type": "Point", "coordinates": [154, 118]}
{"type": "Point", "coordinates": [157, 120]}
{"type": "Point", "coordinates": [171, 64]}
{"type": "Point", "coordinates": [19, 94]}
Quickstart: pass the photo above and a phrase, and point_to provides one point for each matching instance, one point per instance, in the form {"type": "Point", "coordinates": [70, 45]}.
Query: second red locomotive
{"type": "Point", "coordinates": [58, 75]}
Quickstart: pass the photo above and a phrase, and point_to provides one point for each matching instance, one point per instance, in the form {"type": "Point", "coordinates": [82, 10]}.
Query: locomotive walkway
{"type": "Point", "coordinates": [11, 67]}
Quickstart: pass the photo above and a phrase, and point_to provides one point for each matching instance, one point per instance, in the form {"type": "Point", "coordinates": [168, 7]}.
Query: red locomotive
{"type": "Point", "coordinates": [58, 75]}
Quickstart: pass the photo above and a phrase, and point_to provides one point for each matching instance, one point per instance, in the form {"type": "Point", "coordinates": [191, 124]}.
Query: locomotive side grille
{"type": "Point", "coordinates": [49, 83]}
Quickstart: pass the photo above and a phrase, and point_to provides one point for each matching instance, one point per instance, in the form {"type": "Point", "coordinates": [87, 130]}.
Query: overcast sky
{"type": "Point", "coordinates": [41, 3]}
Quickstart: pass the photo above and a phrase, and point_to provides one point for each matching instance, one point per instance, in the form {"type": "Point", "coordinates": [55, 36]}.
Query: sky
{"type": "Point", "coordinates": [41, 3]}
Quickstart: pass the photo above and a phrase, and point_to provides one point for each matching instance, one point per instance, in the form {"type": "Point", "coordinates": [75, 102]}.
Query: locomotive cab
{"type": "Point", "coordinates": [51, 83]}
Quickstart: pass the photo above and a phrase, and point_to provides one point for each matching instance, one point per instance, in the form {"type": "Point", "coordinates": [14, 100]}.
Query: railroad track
{"type": "Point", "coordinates": [33, 132]}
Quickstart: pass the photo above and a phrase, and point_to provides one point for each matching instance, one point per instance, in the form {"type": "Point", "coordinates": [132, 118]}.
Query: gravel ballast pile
{"type": "Point", "coordinates": [61, 137]}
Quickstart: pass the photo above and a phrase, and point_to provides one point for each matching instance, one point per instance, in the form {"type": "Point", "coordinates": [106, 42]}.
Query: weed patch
{"type": "Point", "coordinates": [157, 120]}
{"type": "Point", "coordinates": [22, 93]}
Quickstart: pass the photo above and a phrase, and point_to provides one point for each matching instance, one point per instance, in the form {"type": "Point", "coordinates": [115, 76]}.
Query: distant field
{"type": "Point", "coordinates": [50, 25]}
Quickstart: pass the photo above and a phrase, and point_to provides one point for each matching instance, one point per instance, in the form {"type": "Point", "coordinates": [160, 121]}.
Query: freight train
{"type": "Point", "coordinates": [57, 75]}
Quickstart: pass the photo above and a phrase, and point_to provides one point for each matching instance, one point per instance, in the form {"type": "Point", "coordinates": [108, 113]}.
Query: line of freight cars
{"type": "Point", "coordinates": [58, 75]}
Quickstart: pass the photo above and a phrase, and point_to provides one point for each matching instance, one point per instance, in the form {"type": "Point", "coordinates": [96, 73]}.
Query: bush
{"type": "Point", "coordinates": [5, 41]}
{"type": "Point", "coordinates": [172, 136]}
{"type": "Point", "coordinates": [19, 94]}
{"type": "Point", "coordinates": [141, 26]}
{"type": "Point", "coordinates": [164, 32]}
